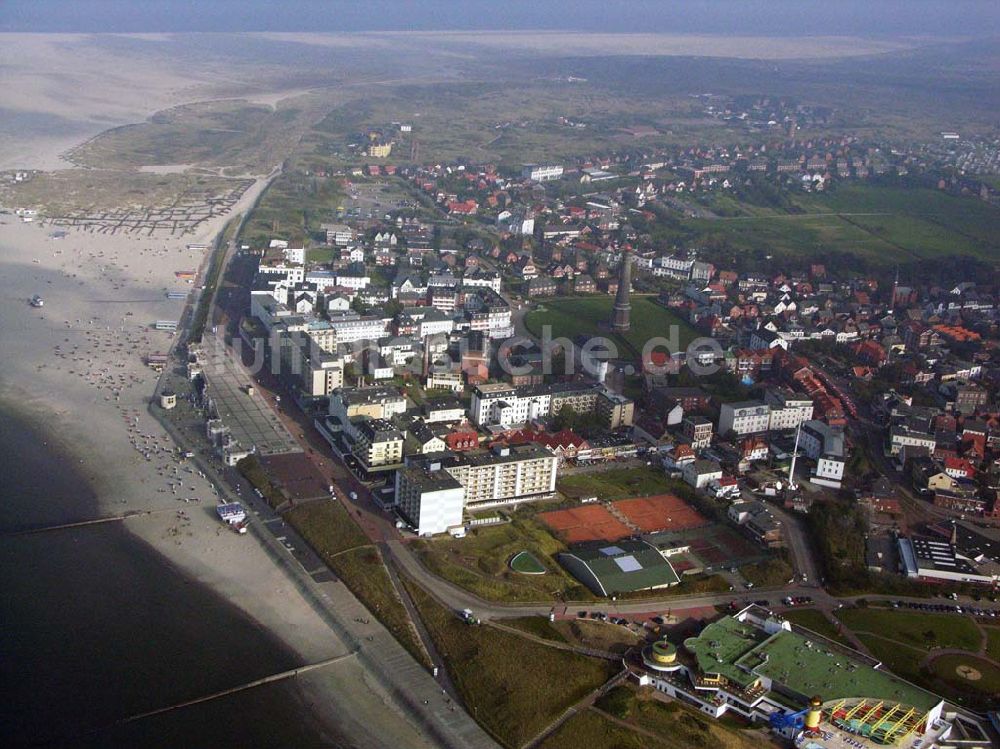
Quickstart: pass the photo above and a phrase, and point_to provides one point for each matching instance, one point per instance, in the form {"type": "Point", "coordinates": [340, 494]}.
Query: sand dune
{"type": "Point", "coordinates": [571, 43]}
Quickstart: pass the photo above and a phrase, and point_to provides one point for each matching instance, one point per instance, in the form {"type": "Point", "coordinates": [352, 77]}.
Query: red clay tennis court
{"type": "Point", "coordinates": [589, 523]}
{"type": "Point", "coordinates": [662, 512]}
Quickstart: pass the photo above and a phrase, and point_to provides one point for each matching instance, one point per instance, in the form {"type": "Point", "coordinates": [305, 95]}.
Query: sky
{"type": "Point", "coordinates": [938, 18]}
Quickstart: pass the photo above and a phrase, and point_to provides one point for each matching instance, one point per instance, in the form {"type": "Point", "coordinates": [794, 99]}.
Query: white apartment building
{"type": "Point", "coordinates": [516, 224]}
{"type": "Point", "coordinates": [430, 498]}
{"type": "Point", "coordinates": [788, 409]}
{"type": "Point", "coordinates": [506, 475]}
{"type": "Point", "coordinates": [374, 402]}
{"type": "Point", "coordinates": [338, 234]}
{"type": "Point", "coordinates": [903, 434]}
{"type": "Point", "coordinates": [477, 279]}
{"type": "Point", "coordinates": [541, 172]}
{"type": "Point", "coordinates": [504, 405]}
{"type": "Point", "coordinates": [744, 417]}
{"type": "Point", "coordinates": [324, 279]}
{"type": "Point", "coordinates": [700, 473]}
{"type": "Point", "coordinates": [824, 444]}
{"type": "Point", "coordinates": [672, 267]}
{"type": "Point", "coordinates": [445, 411]}
{"type": "Point", "coordinates": [348, 328]}
{"type": "Point", "coordinates": [435, 322]}
{"type": "Point", "coordinates": [377, 443]}
{"type": "Point", "coordinates": [276, 271]}
{"type": "Point", "coordinates": [451, 380]}
{"type": "Point", "coordinates": [353, 280]}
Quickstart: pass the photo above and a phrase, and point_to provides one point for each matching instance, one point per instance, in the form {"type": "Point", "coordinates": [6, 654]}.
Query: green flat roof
{"type": "Point", "coordinates": [742, 651]}
{"type": "Point", "coordinates": [721, 644]}
{"type": "Point", "coordinates": [831, 674]}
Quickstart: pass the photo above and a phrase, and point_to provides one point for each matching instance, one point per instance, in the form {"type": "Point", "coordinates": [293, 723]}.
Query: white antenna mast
{"type": "Point", "coordinates": [795, 456]}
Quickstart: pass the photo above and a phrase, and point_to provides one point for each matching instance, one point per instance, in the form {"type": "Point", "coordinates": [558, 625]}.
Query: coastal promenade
{"type": "Point", "coordinates": [380, 662]}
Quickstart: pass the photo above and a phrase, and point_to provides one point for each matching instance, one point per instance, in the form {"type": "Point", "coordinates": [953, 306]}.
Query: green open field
{"type": "Point", "coordinates": [594, 728]}
{"type": "Point", "coordinates": [539, 626]}
{"type": "Point", "coordinates": [513, 686]}
{"type": "Point", "coordinates": [814, 620]}
{"type": "Point", "coordinates": [993, 643]}
{"type": "Point", "coordinates": [571, 317]}
{"type": "Point", "coordinates": [642, 481]}
{"type": "Point", "coordinates": [968, 674]}
{"type": "Point", "coordinates": [331, 529]}
{"type": "Point", "coordinates": [918, 630]}
{"type": "Point", "coordinates": [474, 121]}
{"type": "Point", "coordinates": [903, 641]}
{"type": "Point", "coordinates": [616, 483]}
{"type": "Point", "coordinates": [480, 563]}
{"type": "Point", "coordinates": [599, 635]}
{"type": "Point", "coordinates": [768, 574]}
{"type": "Point", "coordinates": [882, 223]}
{"type": "Point", "coordinates": [346, 550]}
{"type": "Point", "coordinates": [899, 659]}
{"type": "Point", "coordinates": [674, 723]}
{"type": "Point", "coordinates": [293, 207]}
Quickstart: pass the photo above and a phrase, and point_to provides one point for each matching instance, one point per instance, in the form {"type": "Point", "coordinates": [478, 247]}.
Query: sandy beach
{"type": "Point", "coordinates": [76, 367]}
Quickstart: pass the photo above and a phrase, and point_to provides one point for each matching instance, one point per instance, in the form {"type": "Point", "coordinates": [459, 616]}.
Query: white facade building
{"type": "Point", "coordinates": [788, 409]}
{"type": "Point", "coordinates": [430, 498]}
{"type": "Point", "coordinates": [824, 444]}
{"type": "Point", "coordinates": [744, 417]}
{"type": "Point", "coordinates": [541, 172]}
{"type": "Point", "coordinates": [505, 405]}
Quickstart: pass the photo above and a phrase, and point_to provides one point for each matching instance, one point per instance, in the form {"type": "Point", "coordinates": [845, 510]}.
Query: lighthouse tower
{"type": "Point", "coordinates": [623, 307]}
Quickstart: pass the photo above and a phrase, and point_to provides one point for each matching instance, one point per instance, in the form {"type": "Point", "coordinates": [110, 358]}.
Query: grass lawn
{"type": "Point", "coordinates": [327, 526]}
{"type": "Point", "coordinates": [770, 573]}
{"type": "Point", "coordinates": [968, 675]}
{"type": "Point", "coordinates": [593, 728]}
{"type": "Point", "coordinates": [901, 223]}
{"type": "Point", "coordinates": [814, 620]}
{"type": "Point", "coordinates": [345, 549]}
{"type": "Point", "coordinates": [480, 563]}
{"type": "Point", "coordinates": [918, 630]}
{"type": "Point", "coordinates": [993, 643]}
{"type": "Point", "coordinates": [539, 626]}
{"type": "Point", "coordinates": [617, 483]}
{"type": "Point", "coordinates": [323, 255]}
{"type": "Point", "coordinates": [676, 724]}
{"type": "Point", "coordinates": [363, 572]}
{"type": "Point", "coordinates": [922, 221]}
{"type": "Point", "coordinates": [254, 472]}
{"type": "Point", "coordinates": [597, 635]}
{"type": "Point", "coordinates": [571, 317]}
{"type": "Point", "coordinates": [899, 659]}
{"type": "Point", "coordinates": [513, 686]}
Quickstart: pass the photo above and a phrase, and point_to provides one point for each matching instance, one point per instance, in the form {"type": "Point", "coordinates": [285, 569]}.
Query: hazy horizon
{"type": "Point", "coordinates": [934, 18]}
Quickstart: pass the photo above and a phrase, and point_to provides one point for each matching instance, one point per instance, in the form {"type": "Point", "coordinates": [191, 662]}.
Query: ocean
{"type": "Point", "coordinates": [96, 626]}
